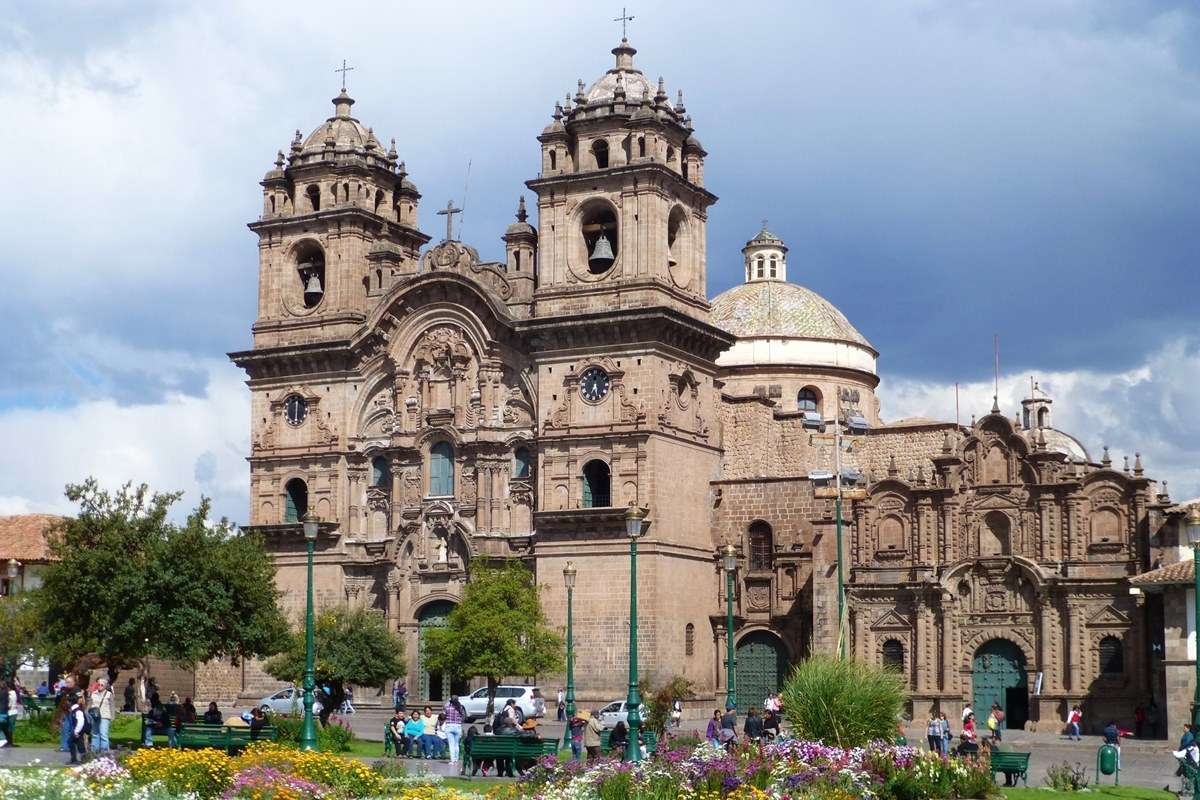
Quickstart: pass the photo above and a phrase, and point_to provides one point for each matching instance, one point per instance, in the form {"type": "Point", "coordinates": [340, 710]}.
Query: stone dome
{"type": "Point", "coordinates": [778, 309]}
{"type": "Point", "coordinates": [636, 85]}
{"type": "Point", "coordinates": [346, 132]}
{"type": "Point", "coordinates": [1060, 442]}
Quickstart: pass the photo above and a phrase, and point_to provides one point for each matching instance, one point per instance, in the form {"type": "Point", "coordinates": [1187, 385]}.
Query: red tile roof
{"type": "Point", "coordinates": [1181, 572]}
{"type": "Point", "coordinates": [23, 536]}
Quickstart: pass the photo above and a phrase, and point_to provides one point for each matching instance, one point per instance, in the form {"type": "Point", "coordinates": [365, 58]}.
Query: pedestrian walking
{"type": "Point", "coordinates": [676, 713]}
{"type": "Point", "coordinates": [933, 733]}
{"type": "Point", "coordinates": [995, 722]}
{"type": "Point", "coordinates": [576, 727]}
{"type": "Point", "coordinates": [1074, 720]}
{"type": "Point", "coordinates": [8, 710]}
{"type": "Point", "coordinates": [753, 727]}
{"type": "Point", "coordinates": [946, 735]}
{"type": "Point", "coordinates": [713, 732]}
{"type": "Point", "coordinates": [562, 705]}
{"type": "Point", "coordinates": [79, 727]}
{"type": "Point", "coordinates": [399, 694]}
{"type": "Point", "coordinates": [727, 735]}
{"type": "Point", "coordinates": [591, 736]}
{"type": "Point", "coordinates": [104, 716]}
{"type": "Point", "coordinates": [452, 726]}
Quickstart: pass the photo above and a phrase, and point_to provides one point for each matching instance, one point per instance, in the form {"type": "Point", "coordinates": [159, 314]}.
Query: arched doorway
{"type": "Point", "coordinates": [433, 686]}
{"type": "Point", "coordinates": [761, 668]}
{"type": "Point", "coordinates": [998, 676]}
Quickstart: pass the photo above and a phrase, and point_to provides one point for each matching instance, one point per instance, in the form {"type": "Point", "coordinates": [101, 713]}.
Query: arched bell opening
{"type": "Point", "coordinates": [601, 241]}
{"type": "Point", "coordinates": [310, 271]}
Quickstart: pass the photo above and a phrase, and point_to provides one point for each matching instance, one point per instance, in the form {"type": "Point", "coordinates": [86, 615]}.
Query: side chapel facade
{"type": "Point", "coordinates": [432, 408]}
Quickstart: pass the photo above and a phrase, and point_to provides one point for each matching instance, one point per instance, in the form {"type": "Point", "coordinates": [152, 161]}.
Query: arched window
{"type": "Point", "coordinates": [296, 502]}
{"type": "Point", "coordinates": [773, 267]}
{"type": "Point", "coordinates": [314, 197]}
{"type": "Point", "coordinates": [762, 550]}
{"type": "Point", "coordinates": [1106, 526]}
{"type": "Point", "coordinates": [596, 485]}
{"type": "Point", "coordinates": [601, 239]}
{"type": "Point", "coordinates": [1112, 656]}
{"type": "Point", "coordinates": [553, 159]}
{"type": "Point", "coordinates": [600, 153]}
{"type": "Point", "coordinates": [310, 268]}
{"type": "Point", "coordinates": [995, 466]}
{"type": "Point", "coordinates": [641, 146]}
{"type": "Point", "coordinates": [807, 399]}
{"type": "Point", "coordinates": [994, 534]}
{"type": "Point", "coordinates": [758, 267]}
{"type": "Point", "coordinates": [381, 473]}
{"type": "Point", "coordinates": [521, 462]}
{"type": "Point", "coordinates": [689, 640]}
{"type": "Point", "coordinates": [893, 655]}
{"type": "Point", "coordinates": [1043, 417]}
{"type": "Point", "coordinates": [441, 470]}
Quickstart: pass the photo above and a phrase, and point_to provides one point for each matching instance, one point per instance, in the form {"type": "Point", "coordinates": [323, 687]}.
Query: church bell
{"type": "Point", "coordinates": [602, 254]}
{"type": "Point", "coordinates": [671, 259]}
{"type": "Point", "coordinates": [313, 290]}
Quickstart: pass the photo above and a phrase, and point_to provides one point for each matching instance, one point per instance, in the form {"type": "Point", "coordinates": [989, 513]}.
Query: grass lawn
{"type": "Point", "coordinates": [1114, 792]}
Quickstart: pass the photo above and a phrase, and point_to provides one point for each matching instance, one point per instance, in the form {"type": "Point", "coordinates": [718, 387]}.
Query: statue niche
{"type": "Point", "coordinates": [442, 362]}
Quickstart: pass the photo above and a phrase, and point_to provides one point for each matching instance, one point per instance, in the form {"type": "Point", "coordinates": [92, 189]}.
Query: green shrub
{"type": "Point", "coordinates": [843, 702]}
{"type": "Point", "coordinates": [658, 709]}
{"type": "Point", "coordinates": [35, 730]}
{"type": "Point", "coordinates": [288, 728]}
{"type": "Point", "coordinates": [1066, 778]}
{"type": "Point", "coordinates": [334, 737]}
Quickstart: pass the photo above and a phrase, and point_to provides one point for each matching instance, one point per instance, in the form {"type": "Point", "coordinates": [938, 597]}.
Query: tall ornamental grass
{"type": "Point", "coordinates": [843, 702]}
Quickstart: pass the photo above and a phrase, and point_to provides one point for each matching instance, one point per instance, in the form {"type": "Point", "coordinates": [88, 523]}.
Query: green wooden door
{"type": "Point", "coordinates": [434, 615]}
{"type": "Point", "coordinates": [998, 676]}
{"type": "Point", "coordinates": [761, 668]}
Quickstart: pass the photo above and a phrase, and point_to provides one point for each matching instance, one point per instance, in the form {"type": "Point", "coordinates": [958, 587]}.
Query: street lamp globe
{"type": "Point", "coordinates": [312, 524]}
{"type": "Point", "coordinates": [633, 521]}
{"type": "Point", "coordinates": [1192, 525]}
{"type": "Point", "coordinates": [13, 567]}
{"type": "Point", "coordinates": [729, 557]}
{"type": "Point", "coordinates": [569, 575]}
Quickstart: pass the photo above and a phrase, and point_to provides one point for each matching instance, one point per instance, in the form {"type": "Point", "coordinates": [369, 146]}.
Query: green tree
{"type": "Point", "coordinates": [18, 632]}
{"type": "Point", "coordinates": [498, 629]}
{"type": "Point", "coordinates": [658, 710]}
{"type": "Point", "coordinates": [843, 702]}
{"type": "Point", "coordinates": [128, 583]}
{"type": "Point", "coordinates": [351, 645]}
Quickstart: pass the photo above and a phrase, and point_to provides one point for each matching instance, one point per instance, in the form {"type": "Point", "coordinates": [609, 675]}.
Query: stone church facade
{"type": "Point", "coordinates": [433, 408]}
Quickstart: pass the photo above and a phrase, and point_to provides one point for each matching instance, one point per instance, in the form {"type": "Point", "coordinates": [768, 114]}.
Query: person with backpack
{"type": "Point", "coordinates": [933, 733]}
{"type": "Point", "coordinates": [81, 726]}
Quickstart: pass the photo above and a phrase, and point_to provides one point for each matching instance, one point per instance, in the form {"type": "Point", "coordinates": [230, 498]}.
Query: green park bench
{"type": "Point", "coordinates": [230, 738]}
{"type": "Point", "coordinates": [1191, 778]}
{"type": "Point", "coordinates": [35, 707]}
{"type": "Point", "coordinates": [649, 737]}
{"type": "Point", "coordinates": [480, 748]}
{"type": "Point", "coordinates": [1010, 761]}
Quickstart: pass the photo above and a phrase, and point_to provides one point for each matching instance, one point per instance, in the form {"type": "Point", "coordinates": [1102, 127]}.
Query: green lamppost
{"type": "Point", "coordinates": [308, 731]}
{"type": "Point", "coordinates": [730, 559]}
{"type": "Point", "coordinates": [569, 580]}
{"type": "Point", "coordinates": [633, 700]}
{"type": "Point", "coordinates": [1193, 534]}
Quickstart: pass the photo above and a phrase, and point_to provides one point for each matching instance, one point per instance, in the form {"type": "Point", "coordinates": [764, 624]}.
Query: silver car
{"type": "Point", "coordinates": [616, 712]}
{"type": "Point", "coordinates": [529, 700]}
{"type": "Point", "coordinates": [285, 701]}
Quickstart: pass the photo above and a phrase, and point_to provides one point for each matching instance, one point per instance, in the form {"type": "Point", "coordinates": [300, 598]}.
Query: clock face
{"type": "Point", "coordinates": [593, 384]}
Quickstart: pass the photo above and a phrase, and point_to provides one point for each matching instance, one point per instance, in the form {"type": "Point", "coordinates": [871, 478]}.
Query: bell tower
{"type": "Point", "coordinates": [622, 208]}
{"type": "Point", "coordinates": [338, 228]}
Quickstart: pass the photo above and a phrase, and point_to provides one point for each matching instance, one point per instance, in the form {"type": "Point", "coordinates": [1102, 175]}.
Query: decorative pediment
{"type": "Point", "coordinates": [891, 620]}
{"type": "Point", "coordinates": [1109, 617]}
{"type": "Point", "coordinates": [464, 259]}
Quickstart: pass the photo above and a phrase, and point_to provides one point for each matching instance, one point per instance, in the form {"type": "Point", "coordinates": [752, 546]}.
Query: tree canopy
{"type": "Point", "coordinates": [128, 583]}
{"type": "Point", "coordinates": [19, 633]}
{"type": "Point", "coordinates": [498, 629]}
{"type": "Point", "coordinates": [351, 645]}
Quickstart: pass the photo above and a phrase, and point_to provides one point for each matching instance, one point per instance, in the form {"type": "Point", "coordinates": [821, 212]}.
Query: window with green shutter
{"type": "Point", "coordinates": [441, 470]}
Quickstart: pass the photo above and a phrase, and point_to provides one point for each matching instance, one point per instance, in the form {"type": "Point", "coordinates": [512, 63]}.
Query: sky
{"type": "Point", "coordinates": [944, 172]}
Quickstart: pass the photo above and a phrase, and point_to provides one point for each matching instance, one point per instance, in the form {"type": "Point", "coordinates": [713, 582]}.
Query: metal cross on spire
{"type": "Point", "coordinates": [344, 69]}
{"type": "Point", "coordinates": [764, 223]}
{"type": "Point", "coordinates": [623, 19]}
{"type": "Point", "coordinates": [448, 212]}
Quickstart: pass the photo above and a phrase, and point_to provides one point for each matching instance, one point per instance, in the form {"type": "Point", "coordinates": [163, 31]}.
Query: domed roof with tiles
{"type": "Point", "coordinates": [776, 308]}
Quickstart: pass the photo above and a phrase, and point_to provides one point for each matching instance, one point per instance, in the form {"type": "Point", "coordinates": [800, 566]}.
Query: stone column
{"type": "Point", "coordinates": [925, 652]}
{"type": "Point", "coordinates": [950, 682]}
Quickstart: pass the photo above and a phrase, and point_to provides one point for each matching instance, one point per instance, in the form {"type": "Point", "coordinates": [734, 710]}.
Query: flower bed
{"type": "Point", "coordinates": [787, 771]}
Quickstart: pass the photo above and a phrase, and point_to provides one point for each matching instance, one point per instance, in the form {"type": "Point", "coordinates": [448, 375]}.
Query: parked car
{"type": "Point", "coordinates": [617, 711]}
{"type": "Point", "coordinates": [285, 701]}
{"type": "Point", "coordinates": [529, 700]}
